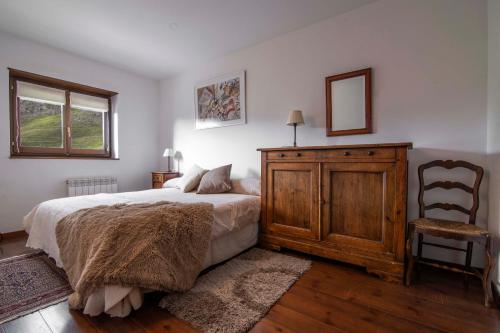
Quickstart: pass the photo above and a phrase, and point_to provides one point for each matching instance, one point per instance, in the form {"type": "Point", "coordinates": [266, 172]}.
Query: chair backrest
{"type": "Point", "coordinates": [448, 185]}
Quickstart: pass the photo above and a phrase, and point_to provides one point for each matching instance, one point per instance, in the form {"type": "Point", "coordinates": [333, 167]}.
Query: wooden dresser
{"type": "Point", "coordinates": [160, 177]}
{"type": "Point", "coordinates": [341, 202]}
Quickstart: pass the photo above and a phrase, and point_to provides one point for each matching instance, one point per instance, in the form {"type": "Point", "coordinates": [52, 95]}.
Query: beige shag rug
{"type": "Point", "coordinates": [235, 295]}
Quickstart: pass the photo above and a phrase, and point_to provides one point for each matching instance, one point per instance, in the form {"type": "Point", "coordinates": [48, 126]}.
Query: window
{"type": "Point", "coordinates": [55, 118]}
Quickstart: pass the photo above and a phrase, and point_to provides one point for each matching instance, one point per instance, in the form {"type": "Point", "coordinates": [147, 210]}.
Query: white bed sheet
{"type": "Point", "coordinates": [235, 229]}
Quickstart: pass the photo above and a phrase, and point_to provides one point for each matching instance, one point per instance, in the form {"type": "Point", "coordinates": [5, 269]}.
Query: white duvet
{"type": "Point", "coordinates": [234, 214]}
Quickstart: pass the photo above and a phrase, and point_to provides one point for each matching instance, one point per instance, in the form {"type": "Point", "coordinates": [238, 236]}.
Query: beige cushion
{"type": "Point", "coordinates": [217, 180]}
{"type": "Point", "coordinates": [191, 179]}
{"type": "Point", "coordinates": [249, 186]}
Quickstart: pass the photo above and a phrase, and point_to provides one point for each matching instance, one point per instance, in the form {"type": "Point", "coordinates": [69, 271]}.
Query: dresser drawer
{"type": "Point", "coordinates": [369, 153]}
{"type": "Point", "coordinates": [158, 178]}
{"type": "Point", "coordinates": [294, 154]}
{"type": "Point", "coordinates": [157, 184]}
{"type": "Point", "coordinates": [375, 153]}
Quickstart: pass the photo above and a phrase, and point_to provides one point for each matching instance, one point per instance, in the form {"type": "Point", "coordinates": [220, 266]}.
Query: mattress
{"type": "Point", "coordinates": [235, 229]}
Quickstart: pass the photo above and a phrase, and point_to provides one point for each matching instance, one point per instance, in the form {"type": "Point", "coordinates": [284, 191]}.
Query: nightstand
{"type": "Point", "coordinates": [160, 177]}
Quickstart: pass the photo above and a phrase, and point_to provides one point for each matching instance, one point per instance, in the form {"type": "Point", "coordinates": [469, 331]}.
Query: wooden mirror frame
{"type": "Point", "coordinates": [367, 73]}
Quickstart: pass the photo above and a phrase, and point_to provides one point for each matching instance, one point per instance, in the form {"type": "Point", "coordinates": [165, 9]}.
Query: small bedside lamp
{"type": "Point", "coordinates": [295, 118]}
{"type": "Point", "coordinates": [169, 152]}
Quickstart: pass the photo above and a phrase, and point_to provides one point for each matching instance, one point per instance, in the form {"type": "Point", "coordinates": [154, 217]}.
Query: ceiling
{"type": "Point", "coordinates": [158, 38]}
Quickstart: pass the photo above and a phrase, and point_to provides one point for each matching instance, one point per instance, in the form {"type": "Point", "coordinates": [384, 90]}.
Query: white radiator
{"type": "Point", "coordinates": [91, 185]}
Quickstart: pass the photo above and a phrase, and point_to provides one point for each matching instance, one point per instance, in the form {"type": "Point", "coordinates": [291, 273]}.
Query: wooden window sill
{"type": "Point", "coordinates": [64, 157]}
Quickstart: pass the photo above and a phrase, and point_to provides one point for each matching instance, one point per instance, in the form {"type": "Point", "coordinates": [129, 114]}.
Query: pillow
{"type": "Point", "coordinates": [217, 180]}
{"type": "Point", "coordinates": [249, 186]}
{"type": "Point", "coordinates": [172, 183]}
{"type": "Point", "coordinates": [191, 179]}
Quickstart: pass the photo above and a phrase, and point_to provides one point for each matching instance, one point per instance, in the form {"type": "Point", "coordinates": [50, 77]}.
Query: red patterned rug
{"type": "Point", "coordinates": [30, 282]}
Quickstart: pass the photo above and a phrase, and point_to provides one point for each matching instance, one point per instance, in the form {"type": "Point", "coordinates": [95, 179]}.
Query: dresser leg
{"type": "Point", "coordinates": [385, 276]}
{"type": "Point", "coordinates": [269, 246]}
{"type": "Point", "coordinates": [409, 254]}
{"type": "Point", "coordinates": [275, 248]}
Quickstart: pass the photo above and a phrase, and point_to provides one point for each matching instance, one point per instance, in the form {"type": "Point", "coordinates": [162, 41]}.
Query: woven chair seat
{"type": "Point", "coordinates": [450, 227]}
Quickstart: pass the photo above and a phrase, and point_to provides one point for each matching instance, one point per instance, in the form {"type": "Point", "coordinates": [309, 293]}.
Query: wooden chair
{"type": "Point", "coordinates": [450, 229]}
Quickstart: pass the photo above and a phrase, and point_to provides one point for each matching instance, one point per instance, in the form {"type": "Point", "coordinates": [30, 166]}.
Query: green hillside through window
{"type": "Point", "coordinates": [41, 125]}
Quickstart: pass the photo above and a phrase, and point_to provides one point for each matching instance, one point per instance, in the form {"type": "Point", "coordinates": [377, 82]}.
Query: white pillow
{"type": "Point", "coordinates": [249, 186]}
{"type": "Point", "coordinates": [191, 179]}
{"type": "Point", "coordinates": [172, 183]}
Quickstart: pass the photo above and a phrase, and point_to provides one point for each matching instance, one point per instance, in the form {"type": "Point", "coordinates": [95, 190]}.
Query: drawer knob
{"type": "Point", "coordinates": [298, 154]}
{"type": "Point", "coordinates": [371, 153]}
{"type": "Point", "coordinates": [346, 153]}
{"type": "Point", "coordinates": [281, 155]}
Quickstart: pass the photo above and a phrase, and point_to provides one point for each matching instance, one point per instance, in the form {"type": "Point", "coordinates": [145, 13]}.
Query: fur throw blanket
{"type": "Point", "coordinates": [158, 246]}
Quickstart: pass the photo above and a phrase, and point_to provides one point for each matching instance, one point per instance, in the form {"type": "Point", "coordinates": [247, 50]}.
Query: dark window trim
{"type": "Point", "coordinates": [66, 152]}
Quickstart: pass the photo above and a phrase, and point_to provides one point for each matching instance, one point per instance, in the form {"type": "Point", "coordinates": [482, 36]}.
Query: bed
{"type": "Point", "coordinates": [235, 229]}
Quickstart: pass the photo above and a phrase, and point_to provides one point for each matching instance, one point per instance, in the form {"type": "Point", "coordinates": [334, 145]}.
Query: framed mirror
{"type": "Point", "coordinates": [348, 103]}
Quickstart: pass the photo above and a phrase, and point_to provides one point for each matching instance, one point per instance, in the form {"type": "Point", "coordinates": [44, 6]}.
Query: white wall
{"type": "Point", "coordinates": [26, 182]}
{"type": "Point", "coordinates": [493, 141]}
{"type": "Point", "coordinates": [429, 64]}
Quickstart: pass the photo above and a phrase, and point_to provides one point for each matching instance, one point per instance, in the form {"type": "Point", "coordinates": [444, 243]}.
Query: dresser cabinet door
{"type": "Point", "coordinates": [292, 199]}
{"type": "Point", "coordinates": [358, 206]}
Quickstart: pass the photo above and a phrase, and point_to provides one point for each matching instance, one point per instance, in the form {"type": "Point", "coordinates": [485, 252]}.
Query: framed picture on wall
{"type": "Point", "coordinates": [220, 101]}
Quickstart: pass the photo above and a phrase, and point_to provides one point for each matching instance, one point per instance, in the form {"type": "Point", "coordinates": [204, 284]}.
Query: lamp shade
{"type": "Point", "coordinates": [169, 152]}
{"type": "Point", "coordinates": [295, 117]}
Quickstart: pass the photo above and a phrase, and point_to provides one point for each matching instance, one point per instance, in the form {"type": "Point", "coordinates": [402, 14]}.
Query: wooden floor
{"type": "Point", "coordinates": [331, 297]}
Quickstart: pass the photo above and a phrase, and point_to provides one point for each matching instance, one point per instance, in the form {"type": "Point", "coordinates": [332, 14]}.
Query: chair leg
{"type": "Point", "coordinates": [468, 260]}
{"type": "Point", "coordinates": [409, 254]}
{"type": "Point", "coordinates": [419, 249]}
{"type": "Point", "coordinates": [419, 252]}
{"type": "Point", "coordinates": [488, 264]}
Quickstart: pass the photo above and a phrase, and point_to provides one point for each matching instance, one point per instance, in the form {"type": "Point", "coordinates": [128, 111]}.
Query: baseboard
{"type": "Point", "coordinates": [12, 235]}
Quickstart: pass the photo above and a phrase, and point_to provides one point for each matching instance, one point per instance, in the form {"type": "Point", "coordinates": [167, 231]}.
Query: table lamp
{"type": "Point", "coordinates": [169, 152]}
{"type": "Point", "coordinates": [295, 118]}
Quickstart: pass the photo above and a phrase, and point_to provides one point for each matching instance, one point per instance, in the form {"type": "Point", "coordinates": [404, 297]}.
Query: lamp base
{"type": "Point", "coordinates": [295, 135]}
